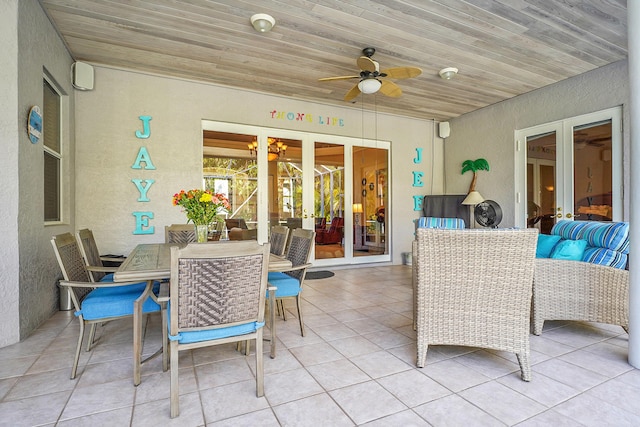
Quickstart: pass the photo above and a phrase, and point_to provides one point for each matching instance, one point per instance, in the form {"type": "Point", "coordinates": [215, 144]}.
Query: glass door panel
{"type": "Point", "coordinates": [541, 181]}
{"type": "Point", "coordinates": [592, 187]}
{"type": "Point", "coordinates": [370, 201]}
{"type": "Point", "coordinates": [230, 168]}
{"type": "Point", "coordinates": [329, 200]}
{"type": "Point", "coordinates": [285, 182]}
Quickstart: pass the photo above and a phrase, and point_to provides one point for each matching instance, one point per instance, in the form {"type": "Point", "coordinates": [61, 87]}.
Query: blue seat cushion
{"type": "Point", "coordinates": [287, 285]}
{"type": "Point", "coordinates": [115, 301]}
{"type": "Point", "coordinates": [215, 334]}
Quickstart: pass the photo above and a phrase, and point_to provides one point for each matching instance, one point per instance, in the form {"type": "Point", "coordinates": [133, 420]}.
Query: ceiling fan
{"type": "Point", "coordinates": [371, 78]}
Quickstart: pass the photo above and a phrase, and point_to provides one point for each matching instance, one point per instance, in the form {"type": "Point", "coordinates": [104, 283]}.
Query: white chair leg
{"type": "Point", "coordinates": [175, 397]}
{"type": "Point", "coordinates": [300, 315]}
{"type": "Point", "coordinates": [92, 335]}
{"type": "Point", "coordinates": [74, 369]}
{"type": "Point", "coordinates": [259, 365]}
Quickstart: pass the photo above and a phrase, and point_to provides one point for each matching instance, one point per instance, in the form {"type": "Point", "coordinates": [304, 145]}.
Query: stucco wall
{"type": "Point", "coordinates": [39, 48]}
{"type": "Point", "coordinates": [9, 260]}
{"type": "Point", "coordinates": [489, 132]}
{"type": "Point", "coordinates": [108, 117]}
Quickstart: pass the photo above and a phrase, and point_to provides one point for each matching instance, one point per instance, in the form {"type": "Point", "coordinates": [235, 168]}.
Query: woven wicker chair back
{"type": "Point", "coordinates": [90, 252]}
{"type": "Point", "coordinates": [218, 285]}
{"type": "Point", "coordinates": [71, 262]}
{"type": "Point", "coordinates": [180, 233]}
{"type": "Point", "coordinates": [278, 239]}
{"type": "Point", "coordinates": [299, 251]}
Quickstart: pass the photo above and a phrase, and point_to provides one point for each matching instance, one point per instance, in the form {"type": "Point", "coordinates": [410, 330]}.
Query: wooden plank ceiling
{"type": "Point", "coordinates": [502, 48]}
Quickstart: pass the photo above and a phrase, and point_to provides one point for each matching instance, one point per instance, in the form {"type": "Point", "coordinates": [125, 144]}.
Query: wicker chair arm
{"type": "Point", "coordinates": [575, 290]}
{"type": "Point", "coordinates": [72, 284]}
{"type": "Point", "coordinates": [298, 267]}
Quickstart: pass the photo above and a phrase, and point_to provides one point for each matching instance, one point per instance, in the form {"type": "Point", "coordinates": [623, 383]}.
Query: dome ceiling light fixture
{"type": "Point", "coordinates": [369, 85]}
{"type": "Point", "coordinates": [262, 22]}
{"type": "Point", "coordinates": [448, 73]}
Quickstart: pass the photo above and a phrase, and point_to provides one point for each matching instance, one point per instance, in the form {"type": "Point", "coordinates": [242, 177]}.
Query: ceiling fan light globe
{"type": "Point", "coordinates": [262, 22]}
{"type": "Point", "coordinates": [369, 85]}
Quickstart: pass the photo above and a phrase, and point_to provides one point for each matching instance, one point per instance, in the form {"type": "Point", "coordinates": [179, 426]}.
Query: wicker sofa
{"type": "Point", "coordinates": [594, 289]}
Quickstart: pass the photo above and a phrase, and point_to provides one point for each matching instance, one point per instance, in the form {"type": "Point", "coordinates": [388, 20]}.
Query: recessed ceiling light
{"type": "Point", "coordinates": [448, 73]}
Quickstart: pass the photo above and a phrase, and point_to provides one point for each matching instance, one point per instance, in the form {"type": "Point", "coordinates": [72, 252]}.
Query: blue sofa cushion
{"type": "Point", "coordinates": [434, 222]}
{"type": "Point", "coordinates": [609, 235]}
{"type": "Point", "coordinates": [116, 301]}
{"type": "Point", "coordinates": [546, 243]}
{"type": "Point", "coordinates": [287, 286]}
{"type": "Point", "coordinates": [569, 250]}
{"type": "Point", "coordinates": [606, 257]}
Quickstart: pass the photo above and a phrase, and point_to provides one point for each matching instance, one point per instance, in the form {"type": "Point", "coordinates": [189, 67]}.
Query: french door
{"type": "Point", "coordinates": [337, 186]}
{"type": "Point", "coordinates": [570, 169]}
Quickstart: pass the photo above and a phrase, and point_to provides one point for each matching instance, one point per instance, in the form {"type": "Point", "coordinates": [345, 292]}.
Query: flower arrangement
{"type": "Point", "coordinates": [201, 206]}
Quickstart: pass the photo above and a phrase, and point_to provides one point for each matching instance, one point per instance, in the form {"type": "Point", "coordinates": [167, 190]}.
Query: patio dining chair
{"type": "Point", "coordinates": [278, 239]}
{"type": "Point", "coordinates": [217, 296]}
{"type": "Point", "coordinates": [180, 233]}
{"type": "Point", "coordinates": [97, 302]}
{"type": "Point", "coordinates": [289, 283]}
{"type": "Point", "coordinates": [94, 261]}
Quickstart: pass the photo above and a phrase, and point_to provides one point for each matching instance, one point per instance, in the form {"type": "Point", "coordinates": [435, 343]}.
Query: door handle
{"type": "Point", "coordinates": [568, 215]}
{"type": "Point", "coordinates": [559, 215]}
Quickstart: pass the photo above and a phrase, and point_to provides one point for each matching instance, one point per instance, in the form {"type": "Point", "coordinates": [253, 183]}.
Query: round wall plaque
{"type": "Point", "coordinates": [34, 124]}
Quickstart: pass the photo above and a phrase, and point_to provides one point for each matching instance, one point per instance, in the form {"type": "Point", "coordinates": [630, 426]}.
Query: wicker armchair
{"type": "Point", "coordinates": [576, 290]}
{"type": "Point", "coordinates": [474, 289]}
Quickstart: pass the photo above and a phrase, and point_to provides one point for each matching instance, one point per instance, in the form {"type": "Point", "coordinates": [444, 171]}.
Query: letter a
{"type": "Point", "coordinates": [143, 156]}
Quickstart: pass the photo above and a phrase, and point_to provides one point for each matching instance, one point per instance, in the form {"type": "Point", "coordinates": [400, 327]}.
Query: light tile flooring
{"type": "Point", "coordinates": [356, 366]}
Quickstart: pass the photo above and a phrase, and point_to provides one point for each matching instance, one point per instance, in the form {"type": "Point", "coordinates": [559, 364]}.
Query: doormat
{"type": "Point", "coordinates": [322, 274]}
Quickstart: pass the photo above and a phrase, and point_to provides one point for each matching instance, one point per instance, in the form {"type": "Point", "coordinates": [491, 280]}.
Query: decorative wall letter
{"type": "Point", "coordinates": [417, 203]}
{"type": "Point", "coordinates": [143, 156]}
{"type": "Point", "coordinates": [417, 179]}
{"type": "Point", "coordinates": [146, 131]}
{"type": "Point", "coordinates": [143, 190]}
{"type": "Point", "coordinates": [418, 158]}
{"type": "Point", "coordinates": [142, 223]}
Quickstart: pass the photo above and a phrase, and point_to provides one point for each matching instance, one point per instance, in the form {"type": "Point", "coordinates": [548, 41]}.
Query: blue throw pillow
{"type": "Point", "coordinates": [569, 250]}
{"type": "Point", "coordinates": [546, 243]}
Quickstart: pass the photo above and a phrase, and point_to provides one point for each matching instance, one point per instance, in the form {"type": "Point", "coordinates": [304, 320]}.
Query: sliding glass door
{"type": "Point", "coordinates": [337, 186]}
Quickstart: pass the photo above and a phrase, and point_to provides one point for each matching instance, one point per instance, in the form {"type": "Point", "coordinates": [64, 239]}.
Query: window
{"type": "Point", "coordinates": [52, 152]}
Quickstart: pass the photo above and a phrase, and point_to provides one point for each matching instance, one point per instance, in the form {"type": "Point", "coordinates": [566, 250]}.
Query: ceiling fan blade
{"type": "Point", "coordinates": [390, 89]}
{"type": "Point", "coordinates": [325, 79]}
{"type": "Point", "coordinates": [402, 72]}
{"type": "Point", "coordinates": [355, 91]}
{"type": "Point", "coordinates": [367, 64]}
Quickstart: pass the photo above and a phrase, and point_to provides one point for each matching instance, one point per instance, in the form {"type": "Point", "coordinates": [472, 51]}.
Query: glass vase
{"type": "Point", "coordinates": [202, 230]}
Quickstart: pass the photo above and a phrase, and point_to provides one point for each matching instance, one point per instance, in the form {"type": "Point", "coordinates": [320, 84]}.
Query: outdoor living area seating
{"type": "Point", "coordinates": [585, 278]}
{"type": "Point", "coordinates": [330, 235]}
{"type": "Point", "coordinates": [474, 289]}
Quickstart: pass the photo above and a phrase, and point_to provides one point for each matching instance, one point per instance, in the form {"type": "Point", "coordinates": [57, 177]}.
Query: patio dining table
{"type": "Point", "coordinates": [152, 261]}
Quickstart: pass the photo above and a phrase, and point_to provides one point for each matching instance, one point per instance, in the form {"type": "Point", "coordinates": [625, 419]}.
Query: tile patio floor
{"type": "Point", "coordinates": [356, 366]}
